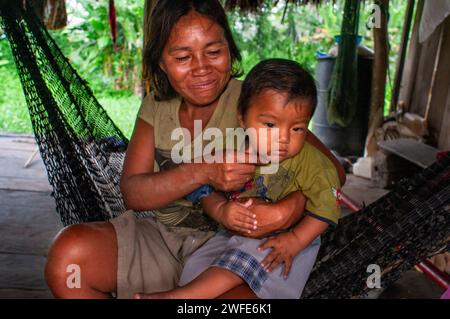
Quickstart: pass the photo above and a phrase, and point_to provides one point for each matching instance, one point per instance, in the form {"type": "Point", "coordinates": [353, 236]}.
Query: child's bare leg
{"type": "Point", "coordinates": [210, 284]}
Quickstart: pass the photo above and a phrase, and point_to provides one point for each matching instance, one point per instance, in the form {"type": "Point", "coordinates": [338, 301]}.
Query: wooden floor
{"type": "Point", "coordinates": [29, 222]}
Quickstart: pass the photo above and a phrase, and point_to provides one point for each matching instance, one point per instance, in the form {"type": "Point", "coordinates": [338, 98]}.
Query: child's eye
{"type": "Point", "coordinates": [269, 124]}
{"type": "Point", "coordinates": [298, 129]}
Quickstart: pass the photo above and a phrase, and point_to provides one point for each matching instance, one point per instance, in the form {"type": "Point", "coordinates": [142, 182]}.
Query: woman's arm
{"type": "Point", "coordinates": [313, 140]}
{"type": "Point", "coordinates": [142, 189]}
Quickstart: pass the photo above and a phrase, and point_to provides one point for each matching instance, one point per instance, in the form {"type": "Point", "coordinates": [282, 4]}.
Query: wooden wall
{"type": "Point", "coordinates": [425, 86]}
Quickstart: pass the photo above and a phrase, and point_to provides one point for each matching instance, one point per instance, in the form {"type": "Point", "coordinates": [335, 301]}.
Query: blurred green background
{"type": "Point", "coordinates": [114, 72]}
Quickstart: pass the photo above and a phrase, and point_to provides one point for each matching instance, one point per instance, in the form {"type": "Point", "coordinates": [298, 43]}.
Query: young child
{"type": "Point", "coordinates": [278, 94]}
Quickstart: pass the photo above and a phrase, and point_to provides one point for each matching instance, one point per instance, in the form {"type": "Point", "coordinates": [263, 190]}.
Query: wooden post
{"type": "Point", "coordinates": [378, 77]}
{"type": "Point", "coordinates": [402, 55]}
{"type": "Point", "coordinates": [409, 75]}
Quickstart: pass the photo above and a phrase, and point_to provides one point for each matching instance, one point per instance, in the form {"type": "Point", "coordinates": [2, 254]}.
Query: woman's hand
{"type": "Point", "coordinates": [229, 175]}
{"type": "Point", "coordinates": [236, 217]}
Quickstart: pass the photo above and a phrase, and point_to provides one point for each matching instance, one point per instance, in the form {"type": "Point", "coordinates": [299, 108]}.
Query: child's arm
{"type": "Point", "coordinates": [287, 245]}
{"type": "Point", "coordinates": [233, 215]}
{"type": "Point", "coordinates": [277, 216]}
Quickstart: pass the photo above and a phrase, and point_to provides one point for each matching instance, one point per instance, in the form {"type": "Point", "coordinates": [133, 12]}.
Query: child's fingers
{"type": "Point", "coordinates": [248, 222]}
{"type": "Point", "coordinates": [242, 209]}
{"type": "Point", "coordinates": [267, 261]}
{"type": "Point", "coordinates": [245, 227]}
{"type": "Point", "coordinates": [242, 230]}
{"type": "Point", "coordinates": [278, 260]}
{"type": "Point", "coordinates": [287, 267]}
{"type": "Point", "coordinates": [269, 243]}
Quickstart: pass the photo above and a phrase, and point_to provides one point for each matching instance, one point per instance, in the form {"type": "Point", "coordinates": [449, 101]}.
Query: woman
{"type": "Point", "coordinates": [193, 59]}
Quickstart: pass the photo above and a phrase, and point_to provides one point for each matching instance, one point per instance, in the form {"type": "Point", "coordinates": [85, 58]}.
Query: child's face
{"type": "Point", "coordinates": [270, 109]}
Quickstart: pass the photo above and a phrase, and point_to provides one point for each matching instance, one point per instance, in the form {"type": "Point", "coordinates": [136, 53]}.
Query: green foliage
{"type": "Point", "coordinates": [114, 73]}
{"type": "Point", "coordinates": [88, 43]}
{"type": "Point", "coordinates": [14, 115]}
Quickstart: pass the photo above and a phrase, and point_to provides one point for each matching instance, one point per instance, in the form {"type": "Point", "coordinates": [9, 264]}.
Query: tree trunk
{"type": "Point", "coordinates": [380, 67]}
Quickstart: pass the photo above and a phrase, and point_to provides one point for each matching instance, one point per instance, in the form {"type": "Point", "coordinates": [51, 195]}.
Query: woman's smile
{"type": "Point", "coordinates": [205, 85]}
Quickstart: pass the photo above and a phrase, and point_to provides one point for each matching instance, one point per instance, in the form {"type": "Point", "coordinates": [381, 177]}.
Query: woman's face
{"type": "Point", "coordinates": [197, 60]}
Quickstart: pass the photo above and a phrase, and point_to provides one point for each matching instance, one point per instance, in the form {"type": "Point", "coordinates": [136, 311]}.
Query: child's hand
{"type": "Point", "coordinates": [285, 247]}
{"type": "Point", "coordinates": [235, 216]}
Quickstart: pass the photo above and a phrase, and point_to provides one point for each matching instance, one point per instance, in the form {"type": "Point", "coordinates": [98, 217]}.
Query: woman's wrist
{"type": "Point", "coordinates": [197, 171]}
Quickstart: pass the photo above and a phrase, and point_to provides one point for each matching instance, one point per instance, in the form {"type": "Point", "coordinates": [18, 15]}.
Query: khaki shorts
{"type": "Point", "coordinates": [150, 254]}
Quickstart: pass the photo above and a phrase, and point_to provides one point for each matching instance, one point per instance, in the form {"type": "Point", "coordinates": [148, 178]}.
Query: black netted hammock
{"type": "Point", "coordinates": [83, 151]}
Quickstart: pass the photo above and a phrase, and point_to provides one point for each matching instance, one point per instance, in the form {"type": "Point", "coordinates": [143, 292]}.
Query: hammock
{"type": "Point", "coordinates": [83, 151]}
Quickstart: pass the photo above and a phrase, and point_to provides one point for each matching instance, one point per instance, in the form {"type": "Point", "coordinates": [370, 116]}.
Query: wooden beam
{"type": "Point", "coordinates": [379, 76]}
{"type": "Point", "coordinates": [412, 61]}
{"type": "Point", "coordinates": [444, 138]}
{"type": "Point", "coordinates": [439, 97]}
{"type": "Point", "coordinates": [402, 55]}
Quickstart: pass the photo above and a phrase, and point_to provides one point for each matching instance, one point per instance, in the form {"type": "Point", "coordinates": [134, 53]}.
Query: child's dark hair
{"type": "Point", "coordinates": [281, 75]}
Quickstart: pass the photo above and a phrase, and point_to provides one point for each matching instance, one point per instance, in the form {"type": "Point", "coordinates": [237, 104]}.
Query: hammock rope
{"type": "Point", "coordinates": [83, 152]}
{"type": "Point", "coordinates": [81, 147]}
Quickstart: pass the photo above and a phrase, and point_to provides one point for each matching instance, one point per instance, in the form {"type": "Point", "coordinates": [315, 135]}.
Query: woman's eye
{"type": "Point", "coordinates": [182, 58]}
{"type": "Point", "coordinates": [269, 124]}
{"type": "Point", "coordinates": [214, 53]}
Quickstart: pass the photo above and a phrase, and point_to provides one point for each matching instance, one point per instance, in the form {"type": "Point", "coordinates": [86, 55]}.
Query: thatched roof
{"type": "Point", "coordinates": [254, 5]}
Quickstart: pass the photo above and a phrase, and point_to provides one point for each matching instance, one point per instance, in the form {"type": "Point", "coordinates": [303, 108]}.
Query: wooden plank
{"type": "Point", "coordinates": [14, 153]}
{"type": "Point", "coordinates": [402, 55]}
{"type": "Point", "coordinates": [19, 143]}
{"type": "Point", "coordinates": [27, 184]}
{"type": "Point", "coordinates": [419, 96]}
{"type": "Point", "coordinates": [26, 239]}
{"type": "Point", "coordinates": [28, 222]}
{"type": "Point", "coordinates": [22, 272]}
{"type": "Point", "coordinates": [25, 294]}
{"type": "Point", "coordinates": [409, 76]}
{"type": "Point", "coordinates": [28, 208]}
{"type": "Point", "coordinates": [441, 87]}
{"type": "Point", "coordinates": [444, 139]}
{"type": "Point", "coordinates": [12, 165]}
{"type": "Point", "coordinates": [418, 153]}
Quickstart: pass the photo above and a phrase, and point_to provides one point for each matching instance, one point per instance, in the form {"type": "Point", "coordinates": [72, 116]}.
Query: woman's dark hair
{"type": "Point", "coordinates": [164, 17]}
{"type": "Point", "coordinates": [281, 75]}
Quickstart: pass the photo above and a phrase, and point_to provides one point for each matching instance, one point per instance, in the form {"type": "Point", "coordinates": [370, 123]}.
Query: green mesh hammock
{"type": "Point", "coordinates": [83, 151]}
